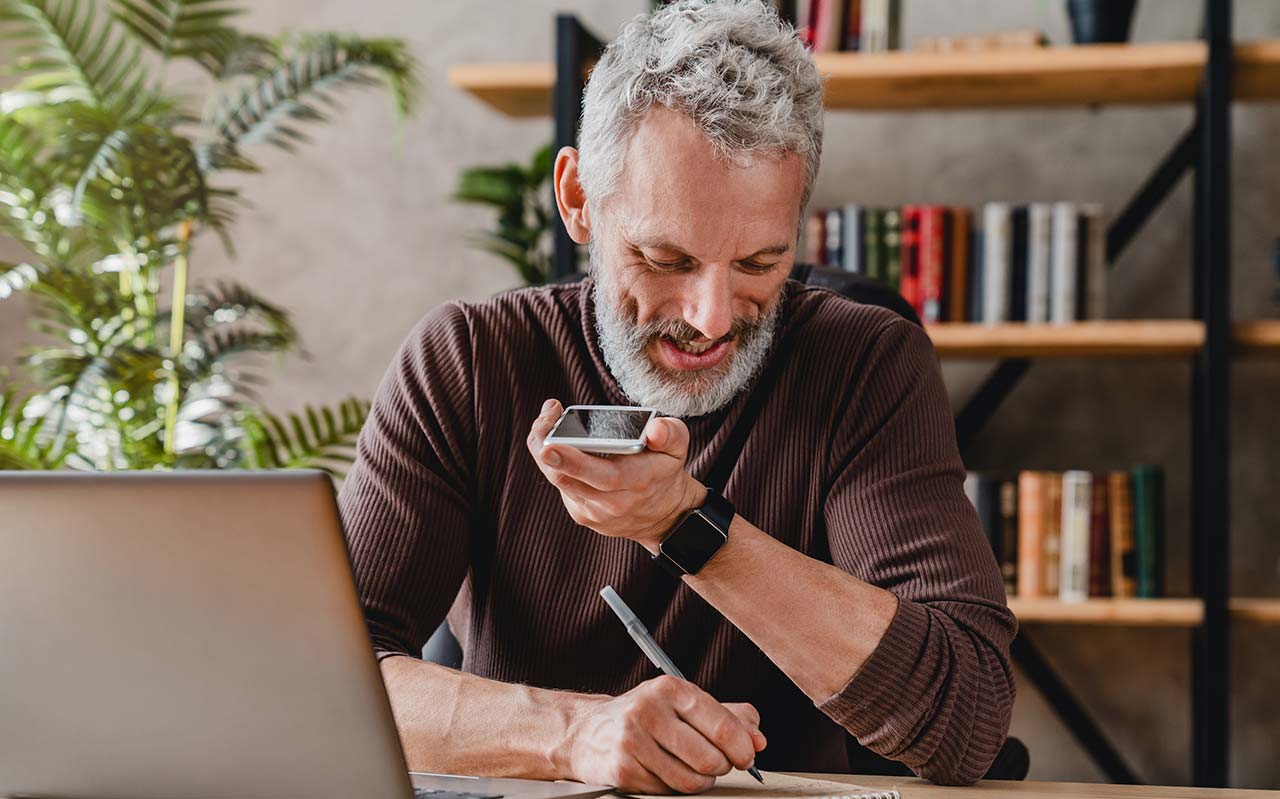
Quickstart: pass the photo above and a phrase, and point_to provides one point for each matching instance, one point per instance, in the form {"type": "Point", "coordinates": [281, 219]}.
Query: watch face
{"type": "Point", "coordinates": [694, 542]}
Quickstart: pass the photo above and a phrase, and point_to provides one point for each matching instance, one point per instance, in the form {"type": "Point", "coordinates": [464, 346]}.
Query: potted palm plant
{"type": "Point", "coordinates": [109, 179]}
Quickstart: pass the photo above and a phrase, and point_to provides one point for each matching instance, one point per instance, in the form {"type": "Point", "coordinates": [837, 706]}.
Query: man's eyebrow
{"type": "Point", "coordinates": [662, 244]}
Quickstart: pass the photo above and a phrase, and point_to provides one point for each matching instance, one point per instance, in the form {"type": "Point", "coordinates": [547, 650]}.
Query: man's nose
{"type": "Point", "coordinates": [710, 308]}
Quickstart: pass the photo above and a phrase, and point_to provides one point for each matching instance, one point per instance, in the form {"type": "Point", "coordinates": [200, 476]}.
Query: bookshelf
{"type": "Point", "coordinates": [1207, 75]}
{"type": "Point", "coordinates": [1104, 74]}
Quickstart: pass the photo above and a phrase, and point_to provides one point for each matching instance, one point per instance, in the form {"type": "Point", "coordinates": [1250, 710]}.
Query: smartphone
{"type": "Point", "coordinates": [602, 429]}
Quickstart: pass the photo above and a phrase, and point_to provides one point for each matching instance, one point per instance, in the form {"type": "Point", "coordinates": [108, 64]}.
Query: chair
{"type": "Point", "coordinates": [1014, 760]}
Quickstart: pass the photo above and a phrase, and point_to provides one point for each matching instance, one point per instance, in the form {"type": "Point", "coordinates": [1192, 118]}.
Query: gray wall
{"type": "Point", "coordinates": [357, 236]}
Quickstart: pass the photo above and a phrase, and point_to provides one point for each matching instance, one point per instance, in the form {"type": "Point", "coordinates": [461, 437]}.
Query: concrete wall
{"type": "Point", "coordinates": [357, 237]}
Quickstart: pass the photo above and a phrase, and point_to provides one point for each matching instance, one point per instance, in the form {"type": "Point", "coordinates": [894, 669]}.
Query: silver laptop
{"type": "Point", "coordinates": [194, 635]}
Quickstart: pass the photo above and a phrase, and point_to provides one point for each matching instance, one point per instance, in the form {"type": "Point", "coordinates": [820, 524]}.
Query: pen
{"type": "Point", "coordinates": [649, 646]}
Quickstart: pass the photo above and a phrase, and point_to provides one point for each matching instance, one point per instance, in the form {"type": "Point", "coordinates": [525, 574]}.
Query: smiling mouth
{"type": "Point", "coordinates": [687, 356]}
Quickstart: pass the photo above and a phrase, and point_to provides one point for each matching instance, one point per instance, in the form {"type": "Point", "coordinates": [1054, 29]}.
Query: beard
{"type": "Point", "coordinates": [625, 345]}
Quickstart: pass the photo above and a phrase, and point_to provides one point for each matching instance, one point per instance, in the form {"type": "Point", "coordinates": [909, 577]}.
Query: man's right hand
{"type": "Point", "coordinates": [665, 735]}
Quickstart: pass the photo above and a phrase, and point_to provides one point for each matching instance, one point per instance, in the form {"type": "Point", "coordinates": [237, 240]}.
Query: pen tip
{"type": "Point", "coordinates": [755, 772]}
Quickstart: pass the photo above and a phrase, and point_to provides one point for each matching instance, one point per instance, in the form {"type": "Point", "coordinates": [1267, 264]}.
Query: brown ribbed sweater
{"type": "Point", "coordinates": [852, 461]}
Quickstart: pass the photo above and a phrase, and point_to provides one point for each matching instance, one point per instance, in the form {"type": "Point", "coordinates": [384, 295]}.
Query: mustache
{"type": "Point", "coordinates": [681, 331]}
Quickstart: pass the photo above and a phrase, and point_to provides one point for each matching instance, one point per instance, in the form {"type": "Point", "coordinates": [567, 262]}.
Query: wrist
{"type": "Point", "coordinates": [692, 495]}
{"type": "Point", "coordinates": [575, 712]}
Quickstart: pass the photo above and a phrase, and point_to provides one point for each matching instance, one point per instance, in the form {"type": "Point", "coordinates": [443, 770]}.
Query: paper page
{"type": "Point", "coordinates": [739, 784]}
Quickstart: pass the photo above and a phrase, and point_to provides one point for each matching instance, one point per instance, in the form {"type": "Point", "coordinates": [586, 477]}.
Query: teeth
{"type": "Point", "coordinates": [694, 349]}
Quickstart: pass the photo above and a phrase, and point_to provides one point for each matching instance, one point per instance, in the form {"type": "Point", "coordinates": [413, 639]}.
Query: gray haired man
{"type": "Point", "coordinates": [852, 593]}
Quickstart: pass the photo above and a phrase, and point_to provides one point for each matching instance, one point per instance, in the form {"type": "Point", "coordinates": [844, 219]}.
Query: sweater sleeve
{"type": "Point", "coordinates": [405, 503]}
{"type": "Point", "coordinates": [937, 692]}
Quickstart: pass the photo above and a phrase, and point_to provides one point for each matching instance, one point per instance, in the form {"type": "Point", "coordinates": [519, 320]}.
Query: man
{"type": "Point", "coordinates": [854, 592]}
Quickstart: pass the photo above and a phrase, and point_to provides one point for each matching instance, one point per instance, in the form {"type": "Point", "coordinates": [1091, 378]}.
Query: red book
{"type": "Point", "coordinates": [1100, 539]}
{"type": "Point", "coordinates": [815, 238]}
{"type": "Point", "coordinates": [909, 287]}
{"type": "Point", "coordinates": [933, 244]}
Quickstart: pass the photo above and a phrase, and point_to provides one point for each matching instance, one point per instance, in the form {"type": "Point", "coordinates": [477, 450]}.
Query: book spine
{"type": "Point", "coordinates": [873, 243]}
{"type": "Point", "coordinates": [853, 25]}
{"type": "Point", "coordinates": [977, 276]}
{"type": "Point", "coordinates": [1031, 518]}
{"type": "Point", "coordinates": [804, 21]}
{"type": "Point", "coordinates": [1095, 304]}
{"type": "Point", "coordinates": [1082, 273]}
{"type": "Point", "coordinates": [1018, 252]}
{"type": "Point", "coordinates": [909, 281]}
{"type": "Point", "coordinates": [931, 265]}
{"type": "Point", "coordinates": [996, 246]}
{"type": "Point", "coordinates": [1062, 283]}
{"type": "Point", "coordinates": [892, 227]}
{"type": "Point", "coordinates": [815, 238]}
{"type": "Point", "coordinates": [1124, 564]}
{"type": "Point", "coordinates": [875, 23]}
{"type": "Point", "coordinates": [1100, 538]}
{"type": "Point", "coordinates": [1077, 508]}
{"type": "Point", "coordinates": [1148, 529]}
{"type": "Point", "coordinates": [958, 304]}
{"type": "Point", "coordinates": [834, 235]}
{"type": "Point", "coordinates": [852, 231]}
{"type": "Point", "coordinates": [827, 25]}
{"type": "Point", "coordinates": [1006, 543]}
{"type": "Point", "coordinates": [1052, 533]}
{"type": "Point", "coordinates": [893, 25]}
{"type": "Point", "coordinates": [1039, 246]}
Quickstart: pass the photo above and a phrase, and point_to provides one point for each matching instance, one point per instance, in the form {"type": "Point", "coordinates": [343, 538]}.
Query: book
{"type": "Point", "coordinates": [977, 280]}
{"type": "Point", "coordinates": [852, 26]}
{"type": "Point", "coordinates": [875, 26]}
{"type": "Point", "coordinates": [996, 256]}
{"type": "Point", "coordinates": [909, 279]}
{"type": "Point", "coordinates": [804, 21]}
{"type": "Point", "coordinates": [931, 264]}
{"type": "Point", "coordinates": [1077, 510]}
{"type": "Point", "coordinates": [1148, 529]}
{"type": "Point", "coordinates": [1095, 262]}
{"type": "Point", "coordinates": [1124, 564]}
{"type": "Point", "coordinates": [1100, 537]}
{"type": "Point", "coordinates": [851, 230]}
{"type": "Point", "coordinates": [1052, 538]}
{"type": "Point", "coordinates": [873, 243]}
{"type": "Point", "coordinates": [827, 24]}
{"type": "Point", "coordinates": [834, 238]}
{"type": "Point", "coordinates": [1062, 281]}
{"type": "Point", "coordinates": [1018, 252]}
{"type": "Point", "coordinates": [1031, 518]}
{"type": "Point", "coordinates": [958, 266]}
{"type": "Point", "coordinates": [815, 238]}
{"type": "Point", "coordinates": [892, 227]}
{"type": "Point", "coordinates": [1006, 539]}
{"type": "Point", "coordinates": [1039, 245]}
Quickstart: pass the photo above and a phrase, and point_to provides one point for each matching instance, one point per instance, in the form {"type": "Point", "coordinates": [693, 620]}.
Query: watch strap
{"type": "Point", "coordinates": [716, 511]}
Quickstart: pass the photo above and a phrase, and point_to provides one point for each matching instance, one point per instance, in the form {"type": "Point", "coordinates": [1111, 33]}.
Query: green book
{"type": "Point", "coordinates": [873, 243]}
{"type": "Point", "coordinates": [1148, 529]}
{"type": "Point", "coordinates": [893, 247]}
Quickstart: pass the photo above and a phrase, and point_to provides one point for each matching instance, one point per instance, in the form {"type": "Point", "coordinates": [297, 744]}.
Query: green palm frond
{"type": "Point", "coordinates": [194, 29]}
{"type": "Point", "coordinates": [321, 438]}
{"type": "Point", "coordinates": [202, 357]}
{"type": "Point", "coordinates": [15, 278]}
{"type": "Point", "coordinates": [269, 109]}
{"type": "Point", "coordinates": [21, 445]}
{"type": "Point", "coordinates": [523, 224]}
{"type": "Point", "coordinates": [228, 302]}
{"type": "Point", "coordinates": [67, 53]}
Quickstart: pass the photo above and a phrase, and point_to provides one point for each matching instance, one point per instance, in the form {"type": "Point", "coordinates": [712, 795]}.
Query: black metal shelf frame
{"type": "Point", "coordinates": [1205, 150]}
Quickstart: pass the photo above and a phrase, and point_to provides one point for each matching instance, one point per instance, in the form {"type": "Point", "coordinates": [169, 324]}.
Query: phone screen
{"type": "Point", "coordinates": [598, 424]}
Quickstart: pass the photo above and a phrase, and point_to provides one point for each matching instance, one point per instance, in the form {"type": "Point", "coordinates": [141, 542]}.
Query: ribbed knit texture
{"type": "Point", "coordinates": [852, 461]}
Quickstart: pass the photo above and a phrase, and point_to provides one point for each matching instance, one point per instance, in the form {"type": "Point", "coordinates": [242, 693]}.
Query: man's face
{"type": "Point", "coordinates": [691, 253]}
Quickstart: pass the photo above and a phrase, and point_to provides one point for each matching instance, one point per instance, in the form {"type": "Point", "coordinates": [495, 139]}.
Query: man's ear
{"type": "Point", "coordinates": [570, 198]}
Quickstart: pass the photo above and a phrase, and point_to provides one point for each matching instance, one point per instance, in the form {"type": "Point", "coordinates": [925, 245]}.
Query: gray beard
{"type": "Point", "coordinates": [623, 343]}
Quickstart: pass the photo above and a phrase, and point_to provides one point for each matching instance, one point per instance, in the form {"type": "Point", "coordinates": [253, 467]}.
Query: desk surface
{"type": "Point", "coordinates": [993, 789]}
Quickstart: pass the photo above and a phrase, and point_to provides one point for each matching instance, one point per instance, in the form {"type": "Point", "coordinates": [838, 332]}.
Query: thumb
{"type": "Point", "coordinates": [667, 435]}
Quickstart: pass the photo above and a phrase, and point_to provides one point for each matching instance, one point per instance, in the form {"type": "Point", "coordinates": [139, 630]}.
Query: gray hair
{"type": "Point", "coordinates": [732, 66]}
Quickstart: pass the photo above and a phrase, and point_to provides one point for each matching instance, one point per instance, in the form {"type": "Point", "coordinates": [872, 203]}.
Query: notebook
{"type": "Point", "coordinates": [740, 785]}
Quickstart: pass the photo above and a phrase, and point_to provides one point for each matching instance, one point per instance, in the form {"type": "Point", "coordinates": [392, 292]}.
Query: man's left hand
{"type": "Point", "coordinates": [639, 497]}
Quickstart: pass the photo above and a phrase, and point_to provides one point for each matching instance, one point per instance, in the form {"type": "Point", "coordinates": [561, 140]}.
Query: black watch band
{"type": "Point", "coordinates": [697, 537]}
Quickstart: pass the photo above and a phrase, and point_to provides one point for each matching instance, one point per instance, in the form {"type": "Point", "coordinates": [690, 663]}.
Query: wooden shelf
{"type": "Point", "coordinates": [1103, 74]}
{"type": "Point", "coordinates": [1139, 612]}
{"type": "Point", "coordinates": [1098, 339]}
{"type": "Point", "coordinates": [1111, 612]}
{"type": "Point", "coordinates": [1260, 337]}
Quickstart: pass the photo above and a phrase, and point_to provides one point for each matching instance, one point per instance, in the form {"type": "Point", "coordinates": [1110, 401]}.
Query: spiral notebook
{"type": "Point", "coordinates": [739, 785]}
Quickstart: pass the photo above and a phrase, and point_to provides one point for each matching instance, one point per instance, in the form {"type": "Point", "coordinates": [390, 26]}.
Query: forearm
{"type": "Point", "coordinates": [818, 623]}
{"type": "Point", "coordinates": [458, 723]}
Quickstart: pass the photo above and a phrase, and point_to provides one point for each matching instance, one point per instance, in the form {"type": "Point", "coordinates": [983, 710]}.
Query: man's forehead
{"type": "Point", "coordinates": [644, 238]}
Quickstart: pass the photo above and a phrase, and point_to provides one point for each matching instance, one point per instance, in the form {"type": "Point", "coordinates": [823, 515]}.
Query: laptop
{"type": "Point", "coordinates": [195, 635]}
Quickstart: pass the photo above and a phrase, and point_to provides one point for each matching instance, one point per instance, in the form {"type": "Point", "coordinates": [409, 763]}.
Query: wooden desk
{"type": "Point", "coordinates": [993, 789]}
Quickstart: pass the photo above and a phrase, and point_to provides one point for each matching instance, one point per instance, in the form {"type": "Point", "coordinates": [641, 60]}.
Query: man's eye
{"type": "Point", "coordinates": [666, 265]}
{"type": "Point", "coordinates": [758, 267]}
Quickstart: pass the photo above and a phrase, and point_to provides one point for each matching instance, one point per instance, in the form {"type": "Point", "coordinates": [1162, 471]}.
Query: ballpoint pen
{"type": "Point", "coordinates": [649, 646]}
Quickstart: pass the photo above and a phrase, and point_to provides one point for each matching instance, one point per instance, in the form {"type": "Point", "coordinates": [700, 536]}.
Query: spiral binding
{"type": "Point", "coordinates": [867, 795]}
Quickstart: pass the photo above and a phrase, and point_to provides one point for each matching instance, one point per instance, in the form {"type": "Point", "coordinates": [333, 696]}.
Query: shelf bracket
{"type": "Point", "coordinates": [1177, 163]}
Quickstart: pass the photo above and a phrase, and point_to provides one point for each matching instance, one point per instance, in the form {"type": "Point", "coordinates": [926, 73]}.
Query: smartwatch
{"type": "Point", "coordinates": [697, 537]}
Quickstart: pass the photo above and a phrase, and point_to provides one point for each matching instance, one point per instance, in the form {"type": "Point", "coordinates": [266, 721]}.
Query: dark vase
{"type": "Point", "coordinates": [1098, 21]}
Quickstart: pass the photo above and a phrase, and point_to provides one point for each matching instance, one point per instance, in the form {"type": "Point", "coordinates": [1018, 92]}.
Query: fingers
{"type": "Point", "coordinates": [674, 773]}
{"type": "Point", "coordinates": [750, 717]}
{"type": "Point", "coordinates": [669, 436]}
{"type": "Point", "coordinates": [716, 723]}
